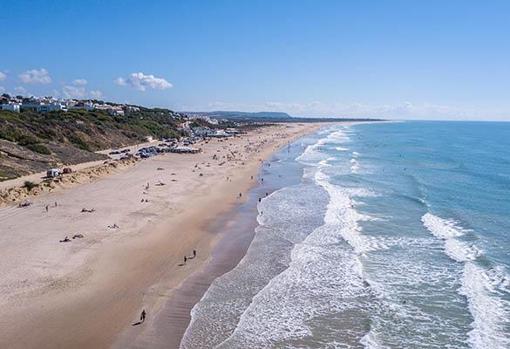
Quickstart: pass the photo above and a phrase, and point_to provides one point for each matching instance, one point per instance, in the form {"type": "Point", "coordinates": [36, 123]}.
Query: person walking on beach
{"type": "Point", "coordinates": [143, 315]}
{"type": "Point", "coordinates": [185, 259]}
{"type": "Point", "coordinates": [47, 208]}
{"type": "Point", "coordinates": [194, 253]}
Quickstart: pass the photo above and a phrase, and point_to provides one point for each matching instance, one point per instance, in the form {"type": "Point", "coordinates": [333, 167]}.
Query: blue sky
{"type": "Point", "coordinates": [401, 59]}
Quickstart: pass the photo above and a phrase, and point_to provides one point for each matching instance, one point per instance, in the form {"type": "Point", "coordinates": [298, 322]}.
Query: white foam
{"type": "Point", "coordinates": [354, 165]}
{"type": "Point", "coordinates": [481, 287]}
{"type": "Point", "coordinates": [370, 341]}
{"type": "Point", "coordinates": [341, 214]}
{"type": "Point", "coordinates": [491, 314]}
{"type": "Point", "coordinates": [319, 280]}
{"type": "Point", "coordinates": [442, 228]}
{"type": "Point", "coordinates": [339, 136]}
{"type": "Point", "coordinates": [449, 230]}
{"type": "Point", "coordinates": [312, 153]}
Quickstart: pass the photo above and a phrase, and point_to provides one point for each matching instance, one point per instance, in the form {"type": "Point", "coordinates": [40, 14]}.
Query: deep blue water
{"type": "Point", "coordinates": [396, 236]}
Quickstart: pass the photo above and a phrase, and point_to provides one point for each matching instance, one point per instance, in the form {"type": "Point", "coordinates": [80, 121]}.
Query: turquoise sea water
{"type": "Point", "coordinates": [392, 235]}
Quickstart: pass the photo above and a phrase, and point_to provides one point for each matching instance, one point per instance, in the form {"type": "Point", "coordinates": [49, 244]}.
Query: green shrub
{"type": "Point", "coordinates": [30, 185]}
{"type": "Point", "coordinates": [39, 148]}
{"type": "Point", "coordinates": [27, 140]}
{"type": "Point", "coordinates": [80, 143]}
{"type": "Point", "coordinates": [10, 133]}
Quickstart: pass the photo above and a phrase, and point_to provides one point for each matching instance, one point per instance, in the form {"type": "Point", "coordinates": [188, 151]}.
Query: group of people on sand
{"type": "Point", "coordinates": [75, 236]}
{"type": "Point", "coordinates": [47, 208]}
{"type": "Point", "coordinates": [190, 257]}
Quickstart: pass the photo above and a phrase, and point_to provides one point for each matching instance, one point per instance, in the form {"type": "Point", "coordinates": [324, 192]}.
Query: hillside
{"type": "Point", "coordinates": [32, 142]}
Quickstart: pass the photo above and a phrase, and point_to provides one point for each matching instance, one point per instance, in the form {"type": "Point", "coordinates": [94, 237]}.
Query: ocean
{"type": "Point", "coordinates": [380, 235]}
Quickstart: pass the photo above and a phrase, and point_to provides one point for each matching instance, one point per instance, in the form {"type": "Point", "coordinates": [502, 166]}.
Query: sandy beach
{"type": "Point", "coordinates": [86, 293]}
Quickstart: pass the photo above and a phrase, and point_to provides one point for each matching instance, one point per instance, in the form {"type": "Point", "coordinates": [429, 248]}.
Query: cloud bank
{"type": "Point", "coordinates": [35, 76]}
{"type": "Point", "coordinates": [142, 82]}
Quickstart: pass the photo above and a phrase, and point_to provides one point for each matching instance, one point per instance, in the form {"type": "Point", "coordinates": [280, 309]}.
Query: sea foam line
{"type": "Point", "coordinates": [336, 137]}
{"type": "Point", "coordinates": [341, 213]}
{"type": "Point", "coordinates": [491, 313]}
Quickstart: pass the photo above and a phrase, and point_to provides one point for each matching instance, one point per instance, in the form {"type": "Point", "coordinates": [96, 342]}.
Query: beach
{"type": "Point", "coordinates": [144, 219]}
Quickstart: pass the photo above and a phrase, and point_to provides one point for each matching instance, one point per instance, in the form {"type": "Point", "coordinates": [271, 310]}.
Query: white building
{"type": "Point", "coordinates": [54, 106]}
{"type": "Point", "coordinates": [42, 107]}
{"type": "Point", "coordinates": [131, 109]}
{"type": "Point", "coordinates": [110, 109]}
{"type": "Point", "coordinates": [88, 105]}
{"type": "Point", "coordinates": [14, 107]}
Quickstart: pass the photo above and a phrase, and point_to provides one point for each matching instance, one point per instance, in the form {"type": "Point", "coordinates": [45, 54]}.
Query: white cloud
{"type": "Point", "coordinates": [3, 76]}
{"type": "Point", "coordinates": [35, 76]}
{"type": "Point", "coordinates": [20, 90]}
{"type": "Point", "coordinates": [2, 89]}
{"type": "Point", "coordinates": [71, 91]}
{"type": "Point", "coordinates": [80, 82]}
{"type": "Point", "coordinates": [78, 91]}
{"type": "Point", "coordinates": [120, 82]}
{"type": "Point", "coordinates": [96, 94]}
{"type": "Point", "coordinates": [141, 82]}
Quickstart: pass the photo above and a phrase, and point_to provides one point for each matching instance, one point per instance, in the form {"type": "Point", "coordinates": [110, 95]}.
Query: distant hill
{"type": "Point", "coordinates": [270, 117]}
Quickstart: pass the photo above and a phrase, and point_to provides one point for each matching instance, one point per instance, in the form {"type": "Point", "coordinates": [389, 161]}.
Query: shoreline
{"type": "Point", "coordinates": [236, 231]}
{"type": "Point", "coordinates": [89, 291]}
{"type": "Point", "coordinates": [169, 324]}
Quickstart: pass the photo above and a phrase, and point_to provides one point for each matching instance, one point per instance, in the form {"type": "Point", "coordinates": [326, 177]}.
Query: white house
{"type": "Point", "coordinates": [54, 106]}
{"type": "Point", "coordinates": [14, 107]}
{"type": "Point", "coordinates": [42, 107]}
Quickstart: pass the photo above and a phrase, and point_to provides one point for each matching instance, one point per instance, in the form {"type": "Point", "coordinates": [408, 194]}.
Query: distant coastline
{"type": "Point", "coordinates": [273, 117]}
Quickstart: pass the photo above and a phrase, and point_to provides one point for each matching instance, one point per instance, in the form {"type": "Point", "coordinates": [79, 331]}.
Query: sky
{"type": "Point", "coordinates": [408, 59]}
